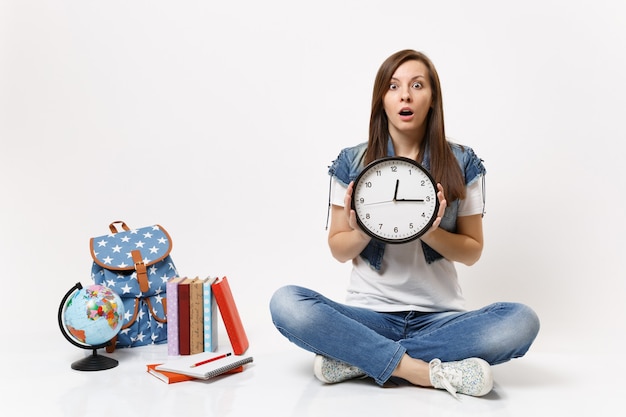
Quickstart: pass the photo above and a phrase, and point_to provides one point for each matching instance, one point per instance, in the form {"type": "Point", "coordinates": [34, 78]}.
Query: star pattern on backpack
{"type": "Point", "coordinates": [114, 250]}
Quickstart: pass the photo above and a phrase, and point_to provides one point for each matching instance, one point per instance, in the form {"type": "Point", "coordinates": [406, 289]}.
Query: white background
{"type": "Point", "coordinates": [218, 121]}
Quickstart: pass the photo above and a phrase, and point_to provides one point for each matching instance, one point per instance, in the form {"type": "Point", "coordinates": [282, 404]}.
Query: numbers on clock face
{"type": "Point", "coordinates": [395, 200]}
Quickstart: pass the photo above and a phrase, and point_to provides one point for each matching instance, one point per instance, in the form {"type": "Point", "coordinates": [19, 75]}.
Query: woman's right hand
{"type": "Point", "coordinates": [345, 238]}
{"type": "Point", "coordinates": [350, 213]}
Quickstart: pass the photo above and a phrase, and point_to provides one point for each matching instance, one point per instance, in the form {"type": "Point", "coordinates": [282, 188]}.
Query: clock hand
{"type": "Point", "coordinates": [395, 193]}
{"type": "Point", "coordinates": [418, 200]}
{"type": "Point", "coordinates": [378, 202]}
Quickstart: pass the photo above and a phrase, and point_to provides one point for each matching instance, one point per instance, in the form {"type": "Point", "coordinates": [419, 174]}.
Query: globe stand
{"type": "Point", "coordinates": [94, 362]}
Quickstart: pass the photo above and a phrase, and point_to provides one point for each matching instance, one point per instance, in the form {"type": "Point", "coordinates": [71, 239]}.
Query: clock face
{"type": "Point", "coordinates": [395, 200]}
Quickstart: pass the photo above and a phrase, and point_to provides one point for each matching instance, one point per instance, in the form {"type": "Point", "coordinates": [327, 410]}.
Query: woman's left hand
{"type": "Point", "coordinates": [464, 245]}
{"type": "Point", "coordinates": [442, 209]}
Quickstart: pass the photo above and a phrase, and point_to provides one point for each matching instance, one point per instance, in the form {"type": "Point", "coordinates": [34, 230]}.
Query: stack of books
{"type": "Point", "coordinates": [191, 328]}
{"type": "Point", "coordinates": [192, 337]}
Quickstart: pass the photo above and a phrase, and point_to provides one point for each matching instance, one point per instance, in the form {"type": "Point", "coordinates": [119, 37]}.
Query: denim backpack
{"type": "Point", "coordinates": [136, 264]}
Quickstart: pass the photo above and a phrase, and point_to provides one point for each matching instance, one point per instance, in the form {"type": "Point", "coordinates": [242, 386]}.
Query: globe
{"type": "Point", "coordinates": [89, 318]}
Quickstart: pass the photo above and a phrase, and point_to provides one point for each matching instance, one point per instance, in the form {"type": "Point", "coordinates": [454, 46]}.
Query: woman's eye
{"type": "Point", "coordinates": [393, 86]}
{"type": "Point", "coordinates": [417, 85]}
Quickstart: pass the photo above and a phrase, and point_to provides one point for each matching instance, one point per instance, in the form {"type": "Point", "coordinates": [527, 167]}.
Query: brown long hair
{"type": "Point", "coordinates": [443, 165]}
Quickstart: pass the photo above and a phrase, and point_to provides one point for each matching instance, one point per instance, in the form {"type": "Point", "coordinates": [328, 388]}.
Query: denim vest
{"type": "Point", "coordinates": [349, 164]}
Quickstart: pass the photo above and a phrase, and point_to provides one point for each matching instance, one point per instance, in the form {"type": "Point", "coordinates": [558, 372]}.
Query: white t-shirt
{"type": "Point", "coordinates": [406, 281]}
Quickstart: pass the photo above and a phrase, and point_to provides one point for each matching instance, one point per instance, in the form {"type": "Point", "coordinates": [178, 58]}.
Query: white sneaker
{"type": "Point", "coordinates": [331, 371]}
{"type": "Point", "coordinates": [470, 376]}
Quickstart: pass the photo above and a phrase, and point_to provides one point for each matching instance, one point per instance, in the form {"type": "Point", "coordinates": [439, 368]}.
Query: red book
{"type": "Point", "coordinates": [230, 315]}
{"type": "Point", "coordinates": [184, 332]}
{"type": "Point", "coordinates": [167, 377]}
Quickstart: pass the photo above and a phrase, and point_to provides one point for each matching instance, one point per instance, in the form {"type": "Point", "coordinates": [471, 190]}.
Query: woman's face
{"type": "Point", "coordinates": [408, 99]}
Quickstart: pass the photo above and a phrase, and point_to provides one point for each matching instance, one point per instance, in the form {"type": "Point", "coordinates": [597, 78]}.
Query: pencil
{"type": "Point", "coordinates": [210, 360]}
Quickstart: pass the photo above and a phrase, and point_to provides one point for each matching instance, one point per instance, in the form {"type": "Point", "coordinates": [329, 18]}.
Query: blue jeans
{"type": "Point", "coordinates": [375, 342]}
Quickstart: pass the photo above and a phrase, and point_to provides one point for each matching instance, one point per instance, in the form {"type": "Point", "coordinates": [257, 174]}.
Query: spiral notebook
{"type": "Point", "coordinates": [205, 365]}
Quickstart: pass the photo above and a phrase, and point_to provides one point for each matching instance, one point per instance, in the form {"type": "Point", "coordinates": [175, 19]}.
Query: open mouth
{"type": "Point", "coordinates": [406, 112]}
